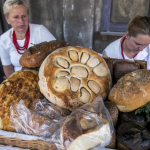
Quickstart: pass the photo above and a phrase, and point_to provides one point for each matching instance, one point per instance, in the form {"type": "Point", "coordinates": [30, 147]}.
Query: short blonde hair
{"type": "Point", "coordinates": [139, 25]}
{"type": "Point", "coordinates": [13, 3]}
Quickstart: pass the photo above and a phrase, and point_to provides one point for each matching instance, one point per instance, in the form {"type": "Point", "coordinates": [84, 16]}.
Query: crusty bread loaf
{"type": "Point", "coordinates": [73, 76]}
{"type": "Point", "coordinates": [34, 56]}
{"type": "Point", "coordinates": [142, 63]}
{"type": "Point", "coordinates": [113, 111]}
{"type": "Point", "coordinates": [121, 68]}
{"type": "Point", "coordinates": [132, 117]}
{"type": "Point", "coordinates": [20, 85]}
{"type": "Point", "coordinates": [133, 136]}
{"type": "Point", "coordinates": [131, 91]}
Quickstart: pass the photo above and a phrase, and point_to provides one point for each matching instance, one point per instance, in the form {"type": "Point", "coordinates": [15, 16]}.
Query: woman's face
{"type": "Point", "coordinates": [137, 44]}
{"type": "Point", "coordinates": [18, 18]}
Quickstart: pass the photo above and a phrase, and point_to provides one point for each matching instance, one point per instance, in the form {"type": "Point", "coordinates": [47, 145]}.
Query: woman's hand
{"type": "Point", "coordinates": [8, 70]}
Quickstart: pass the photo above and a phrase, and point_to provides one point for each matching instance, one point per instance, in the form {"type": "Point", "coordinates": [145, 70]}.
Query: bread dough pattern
{"type": "Point", "coordinates": [78, 71]}
{"type": "Point", "coordinates": [72, 74]}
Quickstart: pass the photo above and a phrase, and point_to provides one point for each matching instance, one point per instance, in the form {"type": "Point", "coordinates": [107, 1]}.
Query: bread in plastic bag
{"type": "Point", "coordinates": [52, 111]}
{"type": "Point", "coordinates": [89, 126]}
{"type": "Point", "coordinates": [25, 121]}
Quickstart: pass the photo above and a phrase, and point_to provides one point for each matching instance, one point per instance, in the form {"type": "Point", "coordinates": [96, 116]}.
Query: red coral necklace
{"type": "Point", "coordinates": [26, 43]}
{"type": "Point", "coordinates": [122, 48]}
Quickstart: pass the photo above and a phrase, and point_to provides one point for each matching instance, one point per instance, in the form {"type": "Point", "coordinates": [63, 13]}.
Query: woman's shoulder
{"type": "Point", "coordinates": [113, 49]}
{"type": "Point", "coordinates": [35, 26]}
{"type": "Point", "coordinates": [7, 35]}
{"type": "Point", "coordinates": [115, 44]}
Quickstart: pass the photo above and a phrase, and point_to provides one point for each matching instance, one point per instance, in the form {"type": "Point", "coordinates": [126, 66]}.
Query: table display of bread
{"type": "Point", "coordinates": [76, 99]}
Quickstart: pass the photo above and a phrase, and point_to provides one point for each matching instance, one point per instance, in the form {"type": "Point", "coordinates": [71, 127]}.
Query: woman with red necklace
{"type": "Point", "coordinates": [135, 45]}
{"type": "Point", "coordinates": [20, 36]}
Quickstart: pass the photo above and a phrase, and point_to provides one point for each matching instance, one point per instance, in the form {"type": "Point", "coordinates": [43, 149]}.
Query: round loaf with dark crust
{"type": "Point", "coordinates": [133, 136]}
{"type": "Point", "coordinates": [34, 56]}
{"type": "Point", "coordinates": [132, 117]}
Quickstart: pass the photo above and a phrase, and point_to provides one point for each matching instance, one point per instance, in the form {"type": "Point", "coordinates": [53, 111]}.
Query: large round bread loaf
{"type": "Point", "coordinates": [34, 56]}
{"type": "Point", "coordinates": [131, 91]}
{"type": "Point", "coordinates": [20, 85]}
{"type": "Point", "coordinates": [72, 76]}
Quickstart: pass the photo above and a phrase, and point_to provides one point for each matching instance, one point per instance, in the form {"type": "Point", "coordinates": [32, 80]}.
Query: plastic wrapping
{"type": "Point", "coordinates": [87, 127]}
{"type": "Point", "coordinates": [25, 121]}
{"type": "Point", "coordinates": [45, 108]}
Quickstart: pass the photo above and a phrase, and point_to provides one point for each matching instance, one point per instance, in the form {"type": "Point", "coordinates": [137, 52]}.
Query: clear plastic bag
{"type": "Point", "coordinates": [25, 121]}
{"type": "Point", "coordinates": [89, 126]}
{"type": "Point", "coordinates": [45, 108]}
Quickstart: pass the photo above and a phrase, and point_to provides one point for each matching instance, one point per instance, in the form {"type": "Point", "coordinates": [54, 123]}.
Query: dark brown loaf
{"type": "Point", "coordinates": [142, 63]}
{"type": "Point", "coordinates": [113, 110]}
{"type": "Point", "coordinates": [122, 68]}
{"type": "Point", "coordinates": [131, 117]}
{"type": "Point", "coordinates": [133, 136]}
{"type": "Point", "coordinates": [34, 56]}
{"type": "Point", "coordinates": [131, 91]}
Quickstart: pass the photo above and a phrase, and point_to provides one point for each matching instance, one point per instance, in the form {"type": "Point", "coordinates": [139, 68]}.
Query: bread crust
{"type": "Point", "coordinates": [20, 85]}
{"type": "Point", "coordinates": [113, 111]}
{"type": "Point", "coordinates": [131, 91]}
{"type": "Point", "coordinates": [65, 97]}
{"type": "Point", "coordinates": [34, 56]}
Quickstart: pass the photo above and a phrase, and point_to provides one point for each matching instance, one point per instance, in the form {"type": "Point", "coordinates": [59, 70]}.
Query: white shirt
{"type": "Point", "coordinates": [8, 52]}
{"type": "Point", "coordinates": [113, 50]}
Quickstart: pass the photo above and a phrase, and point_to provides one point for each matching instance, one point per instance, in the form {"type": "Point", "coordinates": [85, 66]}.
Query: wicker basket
{"type": "Point", "coordinates": [27, 144]}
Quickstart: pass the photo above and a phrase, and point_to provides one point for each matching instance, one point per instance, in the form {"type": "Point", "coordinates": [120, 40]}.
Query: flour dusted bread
{"type": "Point", "coordinates": [73, 76]}
{"type": "Point", "coordinates": [131, 91]}
{"type": "Point", "coordinates": [20, 85]}
{"type": "Point", "coordinates": [34, 56]}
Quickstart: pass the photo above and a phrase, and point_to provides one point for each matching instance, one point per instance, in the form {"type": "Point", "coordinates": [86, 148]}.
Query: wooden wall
{"type": "Point", "coordinates": [75, 21]}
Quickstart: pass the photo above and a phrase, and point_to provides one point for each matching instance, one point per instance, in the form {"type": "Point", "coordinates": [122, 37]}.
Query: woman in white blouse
{"type": "Point", "coordinates": [135, 44]}
{"type": "Point", "coordinates": [20, 36]}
